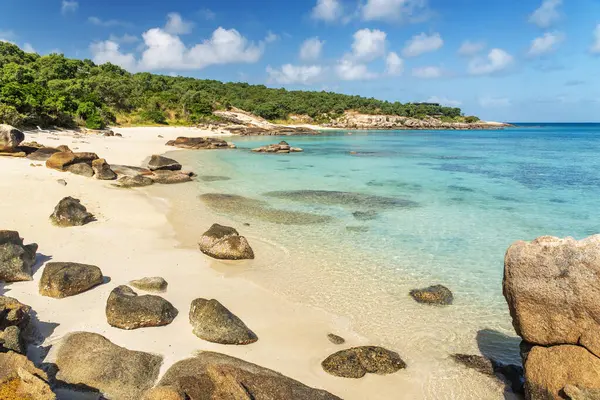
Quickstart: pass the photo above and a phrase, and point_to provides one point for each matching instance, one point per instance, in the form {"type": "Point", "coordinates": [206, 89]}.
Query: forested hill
{"type": "Point", "coordinates": [54, 90]}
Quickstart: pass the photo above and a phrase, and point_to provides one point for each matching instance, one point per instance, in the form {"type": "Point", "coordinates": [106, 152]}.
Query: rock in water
{"type": "Point", "coordinates": [102, 170]}
{"type": "Point", "coordinates": [134, 181]}
{"type": "Point", "coordinates": [214, 322]}
{"type": "Point", "coordinates": [151, 284]}
{"type": "Point", "coordinates": [218, 376]}
{"type": "Point", "coordinates": [335, 339]}
{"type": "Point", "coordinates": [225, 243]}
{"type": "Point", "coordinates": [437, 294]}
{"type": "Point", "coordinates": [82, 169]}
{"type": "Point", "coordinates": [478, 363]}
{"type": "Point", "coordinates": [63, 279]}
{"type": "Point", "coordinates": [16, 259]}
{"type": "Point", "coordinates": [21, 380]}
{"type": "Point", "coordinates": [160, 163]}
{"type": "Point", "coordinates": [10, 137]}
{"type": "Point", "coordinates": [70, 212]}
{"type": "Point", "coordinates": [126, 310]}
{"type": "Point", "coordinates": [167, 177]}
{"type": "Point", "coordinates": [552, 289]}
{"type": "Point", "coordinates": [358, 361]}
{"type": "Point", "coordinates": [118, 373]}
{"type": "Point", "coordinates": [60, 161]}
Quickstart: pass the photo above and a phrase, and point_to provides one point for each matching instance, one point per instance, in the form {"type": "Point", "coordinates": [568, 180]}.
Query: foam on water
{"type": "Point", "coordinates": [362, 219]}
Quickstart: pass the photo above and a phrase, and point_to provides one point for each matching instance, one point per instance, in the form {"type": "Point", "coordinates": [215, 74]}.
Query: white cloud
{"type": "Point", "coordinates": [271, 37]}
{"type": "Point", "coordinates": [545, 44]}
{"type": "Point", "coordinates": [394, 64]}
{"type": "Point", "coordinates": [368, 44]}
{"type": "Point", "coordinates": [444, 101]}
{"type": "Point", "coordinates": [291, 74]}
{"type": "Point", "coordinates": [349, 71]}
{"type": "Point", "coordinates": [69, 6]}
{"type": "Point", "coordinates": [109, 51]}
{"type": "Point", "coordinates": [311, 49]}
{"type": "Point", "coordinates": [422, 43]}
{"type": "Point", "coordinates": [595, 49]}
{"type": "Point", "coordinates": [546, 14]}
{"type": "Point", "coordinates": [392, 10]}
{"type": "Point", "coordinates": [494, 102]}
{"type": "Point", "coordinates": [497, 60]}
{"type": "Point", "coordinates": [427, 72]}
{"type": "Point", "coordinates": [328, 10]}
{"type": "Point", "coordinates": [176, 25]}
{"type": "Point", "coordinates": [107, 23]}
{"type": "Point", "coordinates": [125, 39]}
{"type": "Point", "coordinates": [28, 48]}
{"type": "Point", "coordinates": [469, 48]}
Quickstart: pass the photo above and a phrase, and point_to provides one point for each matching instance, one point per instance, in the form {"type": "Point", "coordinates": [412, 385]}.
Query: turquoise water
{"type": "Point", "coordinates": [360, 218]}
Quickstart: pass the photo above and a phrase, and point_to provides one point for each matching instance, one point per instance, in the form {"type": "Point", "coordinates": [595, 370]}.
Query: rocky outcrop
{"type": "Point", "coordinates": [14, 322]}
{"type": "Point", "coordinates": [60, 161]}
{"type": "Point", "coordinates": [225, 243]}
{"type": "Point", "coordinates": [90, 359]}
{"type": "Point", "coordinates": [215, 323]}
{"type": "Point", "coordinates": [70, 212]}
{"type": "Point", "coordinates": [64, 279]}
{"type": "Point", "coordinates": [126, 310]}
{"type": "Point", "coordinates": [218, 376]}
{"type": "Point", "coordinates": [150, 284]}
{"type": "Point", "coordinates": [134, 181]}
{"type": "Point", "coordinates": [335, 339]}
{"type": "Point", "coordinates": [21, 380]}
{"type": "Point", "coordinates": [102, 170]}
{"type": "Point", "coordinates": [167, 177]}
{"type": "Point", "coordinates": [358, 361]}
{"type": "Point", "coordinates": [200, 143]}
{"type": "Point", "coordinates": [10, 137]}
{"type": "Point", "coordinates": [160, 163]}
{"type": "Point", "coordinates": [16, 259]}
{"type": "Point", "coordinates": [551, 286]}
{"type": "Point", "coordinates": [353, 120]}
{"type": "Point", "coordinates": [437, 295]}
{"type": "Point", "coordinates": [282, 148]}
{"type": "Point", "coordinates": [81, 169]}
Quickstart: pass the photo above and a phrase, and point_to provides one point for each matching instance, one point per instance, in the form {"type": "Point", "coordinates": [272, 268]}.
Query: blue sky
{"type": "Point", "coordinates": [510, 60]}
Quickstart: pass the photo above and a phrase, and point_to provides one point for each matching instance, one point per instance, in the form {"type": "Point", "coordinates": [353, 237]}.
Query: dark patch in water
{"type": "Point", "coordinates": [505, 198]}
{"type": "Point", "coordinates": [247, 207]}
{"type": "Point", "coordinates": [213, 178]}
{"type": "Point", "coordinates": [283, 160]}
{"type": "Point", "coordinates": [357, 228]}
{"type": "Point", "coordinates": [460, 188]}
{"type": "Point", "coordinates": [396, 184]}
{"type": "Point", "coordinates": [351, 199]}
{"type": "Point", "coordinates": [457, 199]}
{"type": "Point", "coordinates": [557, 201]}
{"type": "Point", "coordinates": [365, 215]}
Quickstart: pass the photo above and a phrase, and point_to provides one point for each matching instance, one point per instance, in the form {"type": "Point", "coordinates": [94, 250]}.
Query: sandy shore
{"type": "Point", "coordinates": [131, 239]}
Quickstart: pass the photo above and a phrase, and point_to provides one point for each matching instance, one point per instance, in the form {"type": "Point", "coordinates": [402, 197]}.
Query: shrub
{"type": "Point", "coordinates": [94, 121]}
{"type": "Point", "coordinates": [9, 115]}
{"type": "Point", "coordinates": [471, 119]}
{"type": "Point", "coordinates": [156, 116]}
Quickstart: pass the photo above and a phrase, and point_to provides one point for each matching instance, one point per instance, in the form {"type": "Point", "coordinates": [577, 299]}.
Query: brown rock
{"type": "Point", "coordinates": [82, 169]}
{"type": "Point", "coordinates": [70, 212]}
{"type": "Point", "coordinates": [225, 243]}
{"type": "Point", "coordinates": [10, 137]}
{"type": "Point", "coordinates": [126, 310]}
{"type": "Point", "coordinates": [134, 181]}
{"type": "Point", "coordinates": [16, 259]}
{"type": "Point", "coordinates": [437, 295]}
{"type": "Point", "coordinates": [150, 284]}
{"type": "Point", "coordinates": [198, 143]}
{"type": "Point", "coordinates": [102, 170]}
{"type": "Point", "coordinates": [358, 361]}
{"type": "Point", "coordinates": [581, 393]}
{"type": "Point", "coordinates": [63, 279]}
{"type": "Point", "coordinates": [160, 163]}
{"type": "Point", "coordinates": [167, 177]}
{"type": "Point", "coordinates": [60, 161]}
{"type": "Point", "coordinates": [13, 313]}
{"type": "Point", "coordinates": [21, 380]}
{"type": "Point", "coordinates": [42, 154]}
{"type": "Point", "coordinates": [335, 339]}
{"type": "Point", "coordinates": [19, 154]}
{"type": "Point", "coordinates": [64, 148]}
{"type": "Point", "coordinates": [11, 339]}
{"type": "Point", "coordinates": [163, 393]}
{"type": "Point", "coordinates": [215, 323]}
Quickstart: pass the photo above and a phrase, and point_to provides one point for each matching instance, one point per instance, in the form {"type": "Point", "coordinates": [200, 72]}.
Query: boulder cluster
{"type": "Point", "coordinates": [281, 148]}
{"type": "Point", "coordinates": [200, 143]}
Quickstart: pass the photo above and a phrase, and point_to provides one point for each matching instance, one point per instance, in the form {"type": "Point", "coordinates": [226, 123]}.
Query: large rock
{"type": "Point", "coordinates": [581, 393]}
{"type": "Point", "coordinates": [21, 380]}
{"type": "Point", "coordinates": [160, 163]}
{"type": "Point", "coordinates": [150, 284]}
{"type": "Point", "coordinates": [281, 147]}
{"type": "Point", "coordinates": [102, 170]}
{"type": "Point", "coordinates": [164, 393]}
{"type": "Point", "coordinates": [134, 181]}
{"type": "Point", "coordinates": [437, 295]}
{"type": "Point", "coordinates": [214, 322]}
{"type": "Point", "coordinates": [63, 279]}
{"type": "Point", "coordinates": [13, 313]}
{"type": "Point", "coordinates": [358, 361]}
{"type": "Point", "coordinates": [553, 291]}
{"type": "Point", "coordinates": [126, 310]}
{"type": "Point", "coordinates": [549, 369]}
{"type": "Point", "coordinates": [218, 376]}
{"type": "Point", "coordinates": [90, 359]}
{"type": "Point", "coordinates": [70, 212]}
{"type": "Point", "coordinates": [225, 243]}
{"type": "Point", "coordinates": [42, 154]}
{"type": "Point", "coordinates": [197, 143]}
{"type": "Point", "coordinates": [60, 161]}
{"type": "Point", "coordinates": [11, 339]}
{"type": "Point", "coordinates": [82, 169]}
{"type": "Point", "coordinates": [167, 177]}
{"type": "Point", "coordinates": [128, 170]}
{"type": "Point", "coordinates": [10, 137]}
{"type": "Point", "coordinates": [16, 259]}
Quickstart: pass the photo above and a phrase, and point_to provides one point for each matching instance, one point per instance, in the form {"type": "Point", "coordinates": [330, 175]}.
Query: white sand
{"type": "Point", "coordinates": [133, 239]}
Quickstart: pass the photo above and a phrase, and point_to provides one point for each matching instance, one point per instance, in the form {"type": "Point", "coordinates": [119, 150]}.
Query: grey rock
{"type": "Point", "coordinates": [134, 181]}
{"type": "Point", "coordinates": [129, 170]}
{"type": "Point", "coordinates": [16, 259]}
{"type": "Point", "coordinates": [225, 243]}
{"type": "Point", "coordinates": [82, 169]}
{"type": "Point", "coordinates": [358, 361]}
{"type": "Point", "coordinates": [150, 284]}
{"type": "Point", "coordinates": [62, 182]}
{"type": "Point", "coordinates": [581, 393]}
{"type": "Point", "coordinates": [126, 310]}
{"type": "Point", "coordinates": [10, 137]}
{"type": "Point", "coordinates": [160, 163]}
{"type": "Point", "coordinates": [437, 295]}
{"type": "Point", "coordinates": [167, 177]}
{"type": "Point", "coordinates": [335, 339]}
{"type": "Point", "coordinates": [63, 279]}
{"type": "Point", "coordinates": [215, 323]}
{"type": "Point", "coordinates": [102, 170]}
{"type": "Point", "coordinates": [11, 340]}
{"type": "Point", "coordinates": [13, 313]}
{"type": "Point", "coordinates": [70, 212]}
{"type": "Point", "coordinates": [42, 154]}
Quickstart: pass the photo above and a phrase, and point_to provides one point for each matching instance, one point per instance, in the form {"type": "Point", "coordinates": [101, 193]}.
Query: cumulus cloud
{"type": "Point", "coordinates": [497, 60]}
{"type": "Point", "coordinates": [393, 10]}
{"type": "Point", "coordinates": [469, 48]}
{"type": "Point", "coordinates": [368, 44]}
{"type": "Point", "coordinates": [595, 49]}
{"type": "Point", "coordinates": [394, 65]}
{"type": "Point", "coordinates": [427, 72]}
{"type": "Point", "coordinates": [327, 10]}
{"type": "Point", "coordinates": [176, 25]}
{"type": "Point", "coordinates": [348, 70]}
{"type": "Point", "coordinates": [422, 43]}
{"type": "Point", "coordinates": [109, 51]}
{"type": "Point", "coordinates": [545, 44]}
{"type": "Point", "coordinates": [295, 74]}
{"type": "Point", "coordinates": [69, 6]}
{"type": "Point", "coordinates": [444, 101]}
{"type": "Point", "coordinates": [494, 102]}
{"type": "Point", "coordinates": [311, 49]}
{"type": "Point", "coordinates": [547, 14]}
{"type": "Point", "coordinates": [107, 23]}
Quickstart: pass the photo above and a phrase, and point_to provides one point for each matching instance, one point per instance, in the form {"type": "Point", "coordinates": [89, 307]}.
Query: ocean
{"type": "Point", "coordinates": [360, 218]}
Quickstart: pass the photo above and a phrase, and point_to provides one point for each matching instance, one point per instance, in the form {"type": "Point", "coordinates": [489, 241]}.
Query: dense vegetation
{"type": "Point", "coordinates": [54, 90]}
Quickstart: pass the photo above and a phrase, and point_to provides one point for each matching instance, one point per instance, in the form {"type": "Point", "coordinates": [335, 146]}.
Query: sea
{"type": "Point", "coordinates": [360, 218]}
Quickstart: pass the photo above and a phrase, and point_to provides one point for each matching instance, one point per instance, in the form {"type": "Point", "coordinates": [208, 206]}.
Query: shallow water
{"type": "Point", "coordinates": [358, 220]}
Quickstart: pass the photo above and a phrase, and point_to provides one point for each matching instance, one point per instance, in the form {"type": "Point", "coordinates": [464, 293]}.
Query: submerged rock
{"type": "Point", "coordinates": [16, 259]}
{"type": "Point", "coordinates": [350, 199]}
{"type": "Point", "coordinates": [218, 376]}
{"type": "Point", "coordinates": [437, 294]}
{"type": "Point", "coordinates": [10, 137]}
{"type": "Point", "coordinates": [70, 212]}
{"type": "Point", "coordinates": [213, 178]}
{"type": "Point", "coordinates": [358, 361]}
{"type": "Point", "coordinates": [63, 279]}
{"type": "Point", "coordinates": [102, 170]}
{"type": "Point", "coordinates": [335, 339]}
{"type": "Point", "coordinates": [82, 169]}
{"type": "Point", "coordinates": [150, 284]}
{"type": "Point", "coordinates": [160, 163]}
{"type": "Point", "coordinates": [365, 215]}
{"type": "Point", "coordinates": [134, 181]}
{"type": "Point", "coordinates": [90, 359]}
{"type": "Point", "coordinates": [225, 243]}
{"type": "Point", "coordinates": [126, 310]}
{"type": "Point", "coordinates": [215, 323]}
